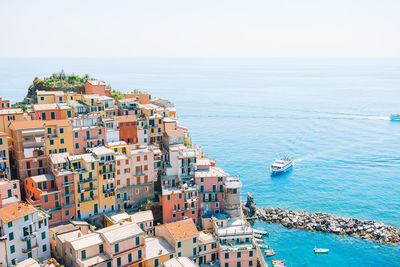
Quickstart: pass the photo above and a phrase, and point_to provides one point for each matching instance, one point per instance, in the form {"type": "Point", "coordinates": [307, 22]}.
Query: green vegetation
{"type": "Point", "coordinates": [61, 80]}
{"type": "Point", "coordinates": [117, 95]}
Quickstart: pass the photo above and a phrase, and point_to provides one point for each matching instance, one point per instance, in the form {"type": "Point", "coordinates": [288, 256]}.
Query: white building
{"type": "Point", "coordinates": [25, 232]}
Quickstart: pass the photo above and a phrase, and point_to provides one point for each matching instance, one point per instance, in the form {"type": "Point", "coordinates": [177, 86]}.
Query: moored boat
{"type": "Point", "coordinates": [263, 246]}
{"type": "Point", "coordinates": [260, 232]}
{"type": "Point", "coordinates": [270, 252]}
{"type": "Point", "coordinates": [281, 165]}
{"type": "Point", "coordinates": [321, 250]}
{"type": "Point", "coordinates": [278, 263]}
{"type": "Point", "coordinates": [258, 236]}
{"type": "Point", "coordinates": [258, 240]}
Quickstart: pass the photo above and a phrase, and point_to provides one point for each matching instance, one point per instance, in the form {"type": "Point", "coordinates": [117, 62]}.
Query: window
{"type": "Point", "coordinates": [226, 255]}
{"type": "Point", "coordinates": [116, 248]}
{"type": "Point", "coordinates": [250, 263]}
{"type": "Point", "coordinates": [239, 264]}
{"type": "Point", "coordinates": [137, 241]}
{"type": "Point", "coordinates": [194, 240]}
{"type": "Point", "coordinates": [119, 261]}
{"type": "Point", "coordinates": [101, 248]}
{"type": "Point", "coordinates": [12, 249]}
{"type": "Point", "coordinates": [43, 116]}
{"type": "Point", "coordinates": [156, 262]}
{"type": "Point", "coordinates": [42, 98]}
{"type": "Point", "coordinates": [83, 254]}
{"type": "Point", "coordinates": [99, 131]}
{"type": "Point", "coordinates": [67, 213]}
{"type": "Point", "coordinates": [169, 197]}
{"type": "Point", "coordinates": [129, 257]}
{"type": "Point", "coordinates": [179, 254]}
{"type": "Point", "coordinates": [61, 130]}
{"type": "Point", "coordinates": [11, 236]}
{"type": "Point", "coordinates": [201, 180]}
{"type": "Point", "coordinates": [26, 218]}
{"type": "Point", "coordinates": [194, 251]}
{"type": "Point", "coordinates": [179, 244]}
{"type": "Point", "coordinates": [46, 199]}
{"type": "Point", "coordinates": [180, 196]}
{"type": "Point", "coordinates": [76, 134]}
{"type": "Point", "coordinates": [51, 142]}
{"type": "Point", "coordinates": [139, 253]}
{"type": "Point", "coordinates": [9, 193]}
{"type": "Point", "coordinates": [69, 113]}
{"type": "Point", "coordinates": [76, 145]}
{"type": "Point", "coordinates": [9, 224]}
{"type": "Point", "coordinates": [239, 254]}
{"type": "Point", "coordinates": [44, 248]}
{"type": "Point", "coordinates": [62, 140]}
{"type": "Point", "coordinates": [226, 264]}
{"type": "Point", "coordinates": [250, 253]}
{"type": "Point", "coordinates": [43, 235]}
{"type": "Point", "coordinates": [53, 115]}
{"type": "Point", "coordinates": [171, 256]}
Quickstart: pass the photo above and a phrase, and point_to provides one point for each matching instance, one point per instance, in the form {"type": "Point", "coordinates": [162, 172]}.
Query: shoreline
{"type": "Point", "coordinates": [323, 222]}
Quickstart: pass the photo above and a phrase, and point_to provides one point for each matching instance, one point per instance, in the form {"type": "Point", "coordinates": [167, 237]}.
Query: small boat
{"type": "Point", "coordinates": [278, 263]}
{"type": "Point", "coordinates": [263, 246]}
{"type": "Point", "coordinates": [260, 232]}
{"type": "Point", "coordinates": [270, 252]}
{"type": "Point", "coordinates": [258, 236]}
{"type": "Point", "coordinates": [321, 250]}
{"type": "Point", "coordinates": [281, 165]}
{"type": "Point", "coordinates": [258, 240]}
{"type": "Point", "coordinates": [395, 117]}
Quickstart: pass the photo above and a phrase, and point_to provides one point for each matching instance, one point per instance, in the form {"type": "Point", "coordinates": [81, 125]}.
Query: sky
{"type": "Point", "coordinates": [206, 28]}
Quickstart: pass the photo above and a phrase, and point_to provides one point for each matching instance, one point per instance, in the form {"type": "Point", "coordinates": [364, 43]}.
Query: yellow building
{"type": "Point", "coordinates": [9, 115]}
{"type": "Point", "coordinates": [50, 97]}
{"type": "Point", "coordinates": [94, 103]}
{"type": "Point", "coordinates": [106, 177]}
{"type": "Point", "coordinates": [118, 146]}
{"type": "Point", "coordinates": [86, 184]}
{"type": "Point", "coordinates": [58, 137]}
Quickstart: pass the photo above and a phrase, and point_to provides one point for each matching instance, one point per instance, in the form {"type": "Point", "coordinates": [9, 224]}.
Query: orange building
{"type": "Point", "coordinates": [9, 115]}
{"type": "Point", "coordinates": [4, 103]}
{"type": "Point", "coordinates": [128, 129]}
{"type": "Point", "coordinates": [27, 139]}
{"type": "Point", "coordinates": [141, 97]}
{"type": "Point", "coordinates": [97, 87]}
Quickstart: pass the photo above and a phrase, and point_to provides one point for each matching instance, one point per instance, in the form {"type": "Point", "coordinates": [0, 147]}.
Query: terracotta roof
{"type": "Point", "coordinates": [182, 230]}
{"type": "Point", "coordinates": [58, 93]}
{"type": "Point", "coordinates": [175, 132]}
{"type": "Point", "coordinates": [96, 82]}
{"type": "Point", "coordinates": [127, 118]}
{"type": "Point", "coordinates": [57, 122]}
{"type": "Point", "coordinates": [11, 111]}
{"type": "Point", "coordinates": [27, 124]}
{"type": "Point", "coordinates": [15, 212]}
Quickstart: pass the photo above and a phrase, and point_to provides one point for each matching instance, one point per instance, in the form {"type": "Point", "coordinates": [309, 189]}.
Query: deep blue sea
{"type": "Point", "coordinates": [331, 115]}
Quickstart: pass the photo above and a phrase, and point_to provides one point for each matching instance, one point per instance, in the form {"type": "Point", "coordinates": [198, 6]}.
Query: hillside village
{"type": "Point", "coordinates": [90, 179]}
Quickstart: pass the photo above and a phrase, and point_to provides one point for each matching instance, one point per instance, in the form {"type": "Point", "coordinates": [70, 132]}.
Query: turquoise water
{"type": "Point", "coordinates": [331, 116]}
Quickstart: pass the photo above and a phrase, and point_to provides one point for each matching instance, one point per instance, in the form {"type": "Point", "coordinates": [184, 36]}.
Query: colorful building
{"type": "Point", "coordinates": [88, 132]}
{"type": "Point", "coordinates": [97, 87]}
{"type": "Point", "coordinates": [50, 97]}
{"type": "Point", "coordinates": [27, 232]}
{"type": "Point", "coordinates": [158, 251]}
{"type": "Point", "coordinates": [4, 156]}
{"type": "Point", "coordinates": [182, 236]}
{"type": "Point", "coordinates": [58, 137]}
{"type": "Point", "coordinates": [209, 180]}
{"type": "Point", "coordinates": [4, 104]}
{"type": "Point", "coordinates": [55, 111]}
{"type": "Point", "coordinates": [127, 128]}
{"type": "Point", "coordinates": [208, 251]}
{"type": "Point", "coordinates": [7, 116]}
{"type": "Point", "coordinates": [27, 139]}
{"type": "Point", "coordinates": [10, 193]}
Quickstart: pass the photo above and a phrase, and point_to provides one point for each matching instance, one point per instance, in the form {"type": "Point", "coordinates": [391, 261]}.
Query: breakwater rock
{"type": "Point", "coordinates": [323, 222]}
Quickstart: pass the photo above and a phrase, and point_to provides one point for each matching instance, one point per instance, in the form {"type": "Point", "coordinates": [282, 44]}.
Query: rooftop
{"type": "Point", "coordinates": [156, 247]}
{"type": "Point", "coordinates": [182, 230]}
{"type": "Point", "coordinates": [86, 241]}
{"type": "Point", "coordinates": [15, 212]}
{"type": "Point", "coordinates": [181, 261]}
{"type": "Point", "coordinates": [233, 182]}
{"type": "Point", "coordinates": [175, 132]}
{"type": "Point", "coordinates": [206, 238]}
{"type": "Point", "coordinates": [27, 124]}
{"type": "Point", "coordinates": [211, 172]}
{"type": "Point", "coordinates": [57, 123]}
{"type": "Point", "coordinates": [142, 216]}
{"type": "Point", "coordinates": [42, 178]}
{"type": "Point", "coordinates": [59, 158]}
{"type": "Point", "coordinates": [57, 93]}
{"type": "Point", "coordinates": [126, 118]}
{"type": "Point", "coordinates": [120, 232]}
{"type": "Point", "coordinates": [51, 106]}
{"type": "Point", "coordinates": [85, 157]}
{"type": "Point", "coordinates": [96, 82]}
{"type": "Point", "coordinates": [11, 111]}
{"type": "Point", "coordinates": [102, 150]}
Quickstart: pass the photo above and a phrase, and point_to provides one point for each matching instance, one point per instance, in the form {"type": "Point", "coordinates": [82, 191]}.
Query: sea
{"type": "Point", "coordinates": [330, 115]}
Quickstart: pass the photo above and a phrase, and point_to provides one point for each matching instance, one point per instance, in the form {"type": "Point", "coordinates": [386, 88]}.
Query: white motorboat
{"type": "Point", "coordinates": [281, 165]}
{"type": "Point", "coordinates": [321, 250]}
{"type": "Point", "coordinates": [263, 246]}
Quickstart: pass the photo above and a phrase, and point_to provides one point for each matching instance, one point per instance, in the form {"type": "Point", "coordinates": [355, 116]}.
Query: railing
{"type": "Point", "coordinates": [67, 184]}
{"type": "Point", "coordinates": [86, 180]}
{"type": "Point", "coordinates": [28, 237]}
{"type": "Point", "coordinates": [68, 205]}
{"type": "Point", "coordinates": [26, 250]}
{"type": "Point", "coordinates": [85, 189]}
{"type": "Point", "coordinates": [87, 199]}
{"type": "Point", "coordinates": [54, 209]}
{"type": "Point", "coordinates": [68, 194]}
{"type": "Point", "coordinates": [139, 174]}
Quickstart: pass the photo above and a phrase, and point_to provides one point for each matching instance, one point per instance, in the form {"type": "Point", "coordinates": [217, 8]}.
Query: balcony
{"type": "Point", "coordinates": [68, 205]}
{"type": "Point", "coordinates": [86, 180]}
{"type": "Point", "coordinates": [139, 174]}
{"type": "Point", "coordinates": [106, 171]}
{"type": "Point", "coordinates": [87, 199]}
{"type": "Point", "coordinates": [54, 209]}
{"type": "Point", "coordinates": [28, 237]}
{"type": "Point", "coordinates": [26, 250]}
{"type": "Point", "coordinates": [86, 189]}
{"type": "Point", "coordinates": [108, 162]}
{"type": "Point", "coordinates": [67, 184]}
{"type": "Point", "coordinates": [88, 138]}
{"type": "Point", "coordinates": [68, 194]}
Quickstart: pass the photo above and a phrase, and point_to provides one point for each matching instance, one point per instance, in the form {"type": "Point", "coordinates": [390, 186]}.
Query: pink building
{"type": "Point", "coordinates": [88, 132]}
{"type": "Point", "coordinates": [9, 192]}
{"type": "Point", "coordinates": [209, 180]}
{"type": "Point", "coordinates": [4, 103]}
{"type": "Point", "coordinates": [97, 87]}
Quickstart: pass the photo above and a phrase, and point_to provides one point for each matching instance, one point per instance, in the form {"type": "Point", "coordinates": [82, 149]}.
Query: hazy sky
{"type": "Point", "coordinates": [203, 28]}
